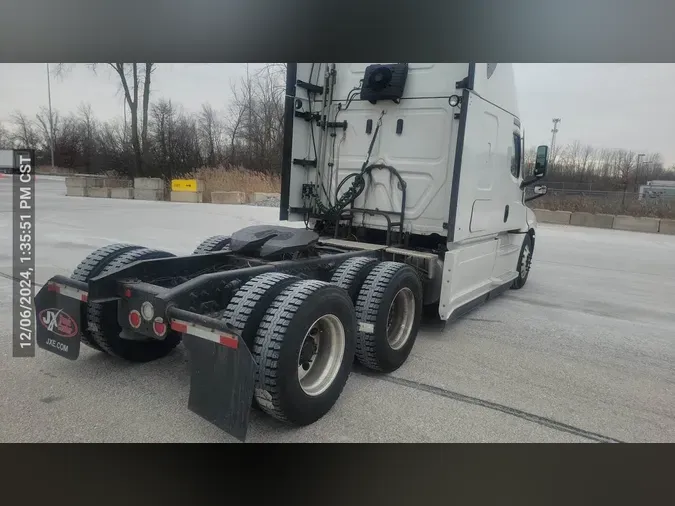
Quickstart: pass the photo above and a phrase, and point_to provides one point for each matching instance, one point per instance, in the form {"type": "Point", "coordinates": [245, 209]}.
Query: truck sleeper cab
{"type": "Point", "coordinates": [448, 182]}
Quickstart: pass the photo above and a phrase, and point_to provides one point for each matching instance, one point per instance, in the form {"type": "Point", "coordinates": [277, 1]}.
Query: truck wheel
{"type": "Point", "coordinates": [105, 330]}
{"type": "Point", "coordinates": [91, 267]}
{"type": "Point", "coordinates": [247, 308]}
{"type": "Point", "coordinates": [352, 273]}
{"type": "Point", "coordinates": [388, 311]}
{"type": "Point", "coordinates": [304, 349]}
{"type": "Point", "coordinates": [215, 243]}
{"type": "Point", "coordinates": [524, 263]}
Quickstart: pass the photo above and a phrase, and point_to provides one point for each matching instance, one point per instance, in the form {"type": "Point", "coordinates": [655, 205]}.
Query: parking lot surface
{"type": "Point", "coordinates": [584, 353]}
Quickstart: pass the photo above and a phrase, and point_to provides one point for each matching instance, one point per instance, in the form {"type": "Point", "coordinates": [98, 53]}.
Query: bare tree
{"type": "Point", "coordinates": [87, 126]}
{"type": "Point", "coordinates": [132, 79]}
{"type": "Point", "coordinates": [5, 137]}
{"type": "Point", "coordinates": [49, 126]}
{"type": "Point", "coordinates": [233, 125]}
{"type": "Point", "coordinates": [587, 162]}
{"type": "Point", "coordinates": [162, 132]}
{"type": "Point", "coordinates": [256, 120]}
{"type": "Point", "coordinates": [210, 130]}
{"type": "Point", "coordinates": [25, 134]}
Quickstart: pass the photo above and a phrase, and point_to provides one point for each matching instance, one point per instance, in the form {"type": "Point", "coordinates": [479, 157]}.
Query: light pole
{"type": "Point", "coordinates": [637, 168]}
{"type": "Point", "coordinates": [555, 131]}
{"type": "Point", "coordinates": [51, 121]}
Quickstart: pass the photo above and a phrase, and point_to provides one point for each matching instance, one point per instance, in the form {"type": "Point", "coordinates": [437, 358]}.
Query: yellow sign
{"type": "Point", "coordinates": [184, 185]}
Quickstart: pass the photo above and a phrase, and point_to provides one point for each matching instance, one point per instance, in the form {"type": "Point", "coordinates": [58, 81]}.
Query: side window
{"type": "Point", "coordinates": [515, 159]}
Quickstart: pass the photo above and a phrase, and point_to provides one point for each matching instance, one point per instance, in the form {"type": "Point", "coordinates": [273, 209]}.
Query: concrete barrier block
{"type": "Point", "coordinates": [228, 197]}
{"type": "Point", "coordinates": [636, 224]}
{"type": "Point", "coordinates": [85, 182]}
{"type": "Point", "coordinates": [592, 220]}
{"type": "Point", "coordinates": [260, 196]}
{"type": "Point", "coordinates": [76, 182]}
{"type": "Point", "coordinates": [75, 191]}
{"type": "Point", "coordinates": [667, 227]}
{"type": "Point", "coordinates": [140, 194]}
{"type": "Point", "coordinates": [101, 193]}
{"type": "Point", "coordinates": [185, 196]}
{"type": "Point", "coordinates": [117, 183]}
{"type": "Point", "coordinates": [121, 193]}
{"type": "Point", "coordinates": [558, 217]}
{"type": "Point", "coordinates": [148, 183]}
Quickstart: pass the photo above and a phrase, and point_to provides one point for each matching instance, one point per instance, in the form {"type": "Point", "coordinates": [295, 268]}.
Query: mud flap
{"type": "Point", "coordinates": [58, 323]}
{"type": "Point", "coordinates": [222, 380]}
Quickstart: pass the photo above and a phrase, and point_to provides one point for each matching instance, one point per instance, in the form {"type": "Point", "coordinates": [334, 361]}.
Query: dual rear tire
{"type": "Point", "coordinates": [101, 330]}
{"type": "Point", "coordinates": [305, 334]}
{"type": "Point", "coordinates": [302, 335]}
{"type": "Point", "coordinates": [387, 299]}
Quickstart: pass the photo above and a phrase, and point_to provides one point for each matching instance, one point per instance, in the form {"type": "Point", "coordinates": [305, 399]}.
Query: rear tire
{"type": "Point", "coordinates": [304, 349]}
{"type": "Point", "coordinates": [215, 243]}
{"type": "Point", "coordinates": [105, 330]}
{"type": "Point", "coordinates": [352, 273]}
{"type": "Point", "coordinates": [248, 306]}
{"type": "Point", "coordinates": [91, 267]}
{"type": "Point", "coordinates": [524, 263]}
{"type": "Point", "coordinates": [389, 310]}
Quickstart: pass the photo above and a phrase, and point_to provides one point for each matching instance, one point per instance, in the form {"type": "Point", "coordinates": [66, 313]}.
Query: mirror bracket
{"type": "Point", "coordinates": [527, 182]}
{"type": "Point", "coordinates": [536, 196]}
{"type": "Point", "coordinates": [540, 191]}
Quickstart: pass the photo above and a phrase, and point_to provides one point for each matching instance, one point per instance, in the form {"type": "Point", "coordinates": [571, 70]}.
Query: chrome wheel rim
{"type": "Point", "coordinates": [320, 355]}
{"type": "Point", "coordinates": [400, 318]}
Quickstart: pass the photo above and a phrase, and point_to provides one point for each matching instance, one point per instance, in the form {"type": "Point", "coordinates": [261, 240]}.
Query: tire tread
{"type": "Point", "coordinates": [211, 244]}
{"type": "Point", "coordinates": [270, 338]}
{"type": "Point", "coordinates": [102, 333]}
{"type": "Point", "coordinates": [367, 308]}
{"type": "Point", "coordinates": [350, 274]}
{"type": "Point", "coordinates": [245, 302]}
{"type": "Point", "coordinates": [90, 267]}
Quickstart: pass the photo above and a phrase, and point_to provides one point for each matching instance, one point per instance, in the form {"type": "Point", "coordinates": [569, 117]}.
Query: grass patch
{"type": "Point", "coordinates": [235, 179]}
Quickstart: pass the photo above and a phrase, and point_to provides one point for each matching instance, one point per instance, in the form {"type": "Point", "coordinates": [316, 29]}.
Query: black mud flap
{"type": "Point", "coordinates": [221, 384]}
{"type": "Point", "coordinates": [58, 322]}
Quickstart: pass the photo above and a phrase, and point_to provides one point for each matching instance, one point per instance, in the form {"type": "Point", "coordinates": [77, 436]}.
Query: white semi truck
{"type": "Point", "coordinates": [409, 179]}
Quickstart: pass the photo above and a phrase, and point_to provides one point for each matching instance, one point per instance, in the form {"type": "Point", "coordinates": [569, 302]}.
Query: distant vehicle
{"type": "Point", "coordinates": [409, 179]}
{"type": "Point", "coordinates": [657, 189]}
{"type": "Point", "coordinates": [7, 162]}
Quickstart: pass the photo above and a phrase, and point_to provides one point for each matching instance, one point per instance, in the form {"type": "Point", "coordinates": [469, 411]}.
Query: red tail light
{"type": "Point", "coordinates": [159, 327]}
{"type": "Point", "coordinates": [134, 318]}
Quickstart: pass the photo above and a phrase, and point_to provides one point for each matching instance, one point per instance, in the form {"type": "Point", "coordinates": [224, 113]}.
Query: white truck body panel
{"type": "Point", "coordinates": [457, 162]}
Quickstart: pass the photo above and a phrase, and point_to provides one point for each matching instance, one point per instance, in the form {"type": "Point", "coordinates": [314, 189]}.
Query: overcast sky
{"type": "Point", "coordinates": [618, 105]}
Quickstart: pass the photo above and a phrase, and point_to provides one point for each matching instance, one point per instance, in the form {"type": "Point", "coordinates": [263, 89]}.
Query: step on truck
{"type": "Point", "coordinates": [404, 188]}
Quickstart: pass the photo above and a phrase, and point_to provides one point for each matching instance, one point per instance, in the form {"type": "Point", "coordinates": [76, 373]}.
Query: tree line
{"type": "Point", "coordinates": [158, 138]}
{"type": "Point", "coordinates": [583, 166]}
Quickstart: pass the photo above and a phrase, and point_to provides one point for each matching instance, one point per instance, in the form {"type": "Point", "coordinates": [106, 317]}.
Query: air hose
{"type": "Point", "coordinates": [358, 185]}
